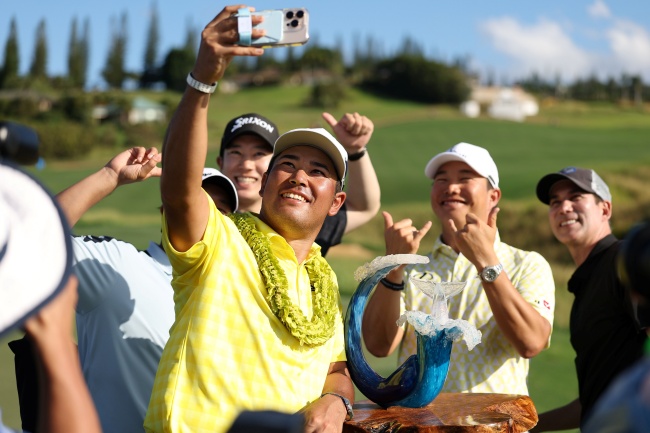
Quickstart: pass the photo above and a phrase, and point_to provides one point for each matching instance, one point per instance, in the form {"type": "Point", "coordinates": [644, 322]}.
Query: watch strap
{"type": "Point", "coordinates": [357, 156]}
{"type": "Point", "coordinates": [346, 403]}
{"type": "Point", "coordinates": [244, 26]}
{"type": "Point", "coordinates": [392, 286]}
{"type": "Point", "coordinates": [201, 87]}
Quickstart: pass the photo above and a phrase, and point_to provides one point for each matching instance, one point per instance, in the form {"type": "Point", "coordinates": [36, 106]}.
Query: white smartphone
{"type": "Point", "coordinates": [284, 27]}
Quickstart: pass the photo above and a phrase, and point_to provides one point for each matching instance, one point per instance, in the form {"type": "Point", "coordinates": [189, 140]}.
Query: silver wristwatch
{"type": "Point", "coordinates": [490, 273]}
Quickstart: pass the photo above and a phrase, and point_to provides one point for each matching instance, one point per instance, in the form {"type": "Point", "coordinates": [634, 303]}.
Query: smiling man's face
{"type": "Point", "coordinates": [300, 190]}
{"type": "Point", "coordinates": [458, 190]}
{"type": "Point", "coordinates": [577, 218]}
{"type": "Point", "coordinates": [245, 161]}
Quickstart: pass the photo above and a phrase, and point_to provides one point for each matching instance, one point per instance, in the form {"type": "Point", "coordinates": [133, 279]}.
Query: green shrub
{"type": "Point", "coordinates": [415, 78]}
{"type": "Point", "coordinates": [145, 134]}
{"type": "Point", "coordinates": [65, 140]}
{"type": "Point", "coordinates": [109, 136]}
{"type": "Point", "coordinates": [326, 95]}
{"type": "Point", "coordinates": [22, 106]}
{"type": "Point", "coordinates": [76, 106]}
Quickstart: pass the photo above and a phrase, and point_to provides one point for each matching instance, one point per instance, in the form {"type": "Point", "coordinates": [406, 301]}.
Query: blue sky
{"type": "Point", "coordinates": [505, 38]}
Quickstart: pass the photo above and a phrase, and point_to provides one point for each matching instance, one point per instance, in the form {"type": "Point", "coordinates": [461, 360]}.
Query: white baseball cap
{"type": "Point", "coordinates": [212, 175]}
{"type": "Point", "coordinates": [476, 157]}
{"type": "Point", "coordinates": [320, 139]}
{"type": "Point", "coordinates": [35, 247]}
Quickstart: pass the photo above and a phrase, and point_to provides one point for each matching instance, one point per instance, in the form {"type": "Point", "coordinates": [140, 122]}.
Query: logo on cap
{"type": "Point", "coordinates": [251, 121]}
{"type": "Point", "coordinates": [568, 170]}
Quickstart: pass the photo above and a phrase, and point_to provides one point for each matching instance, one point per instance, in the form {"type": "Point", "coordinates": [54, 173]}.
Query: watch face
{"type": "Point", "coordinates": [490, 273]}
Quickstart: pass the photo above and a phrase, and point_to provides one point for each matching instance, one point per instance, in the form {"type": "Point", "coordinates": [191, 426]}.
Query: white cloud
{"type": "Point", "coordinates": [599, 10]}
{"type": "Point", "coordinates": [630, 48]}
{"type": "Point", "coordinates": [548, 49]}
{"type": "Point", "coordinates": [544, 48]}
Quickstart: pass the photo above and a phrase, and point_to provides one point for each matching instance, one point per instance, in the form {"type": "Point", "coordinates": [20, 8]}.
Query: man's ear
{"type": "Point", "coordinates": [495, 195]}
{"type": "Point", "coordinates": [606, 206]}
{"type": "Point", "coordinates": [265, 177]}
{"type": "Point", "coordinates": [339, 199]}
{"type": "Point", "coordinates": [220, 162]}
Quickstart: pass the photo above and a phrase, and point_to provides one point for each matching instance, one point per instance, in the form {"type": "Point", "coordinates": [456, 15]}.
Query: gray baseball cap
{"type": "Point", "coordinates": [583, 178]}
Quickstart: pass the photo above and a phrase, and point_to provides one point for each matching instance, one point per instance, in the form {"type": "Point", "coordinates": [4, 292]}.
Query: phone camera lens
{"type": "Point", "coordinates": [294, 23]}
{"type": "Point", "coordinates": [289, 15]}
{"type": "Point", "coordinates": [300, 14]}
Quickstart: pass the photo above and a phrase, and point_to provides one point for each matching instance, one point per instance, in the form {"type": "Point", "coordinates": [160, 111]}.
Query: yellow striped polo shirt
{"type": "Point", "coordinates": [227, 351]}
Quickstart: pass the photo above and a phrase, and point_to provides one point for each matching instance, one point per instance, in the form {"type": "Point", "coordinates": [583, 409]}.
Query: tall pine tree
{"type": "Point", "coordinates": [179, 61]}
{"type": "Point", "coordinates": [9, 72]}
{"type": "Point", "coordinates": [78, 54]}
{"type": "Point", "coordinates": [114, 72]}
{"type": "Point", "coordinates": [73, 55]}
{"type": "Point", "coordinates": [38, 68]}
{"type": "Point", "coordinates": [151, 72]}
{"type": "Point", "coordinates": [191, 39]}
{"type": "Point", "coordinates": [84, 55]}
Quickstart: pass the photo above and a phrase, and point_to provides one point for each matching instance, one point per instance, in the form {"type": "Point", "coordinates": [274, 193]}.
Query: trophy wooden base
{"type": "Point", "coordinates": [448, 413]}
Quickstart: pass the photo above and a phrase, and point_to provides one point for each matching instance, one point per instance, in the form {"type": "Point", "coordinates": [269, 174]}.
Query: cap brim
{"type": "Point", "coordinates": [36, 252]}
{"type": "Point", "coordinates": [222, 179]}
{"type": "Point", "coordinates": [545, 184]}
{"type": "Point", "coordinates": [308, 137]}
{"type": "Point", "coordinates": [439, 160]}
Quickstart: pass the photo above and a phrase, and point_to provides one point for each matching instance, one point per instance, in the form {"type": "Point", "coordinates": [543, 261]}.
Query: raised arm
{"type": "Point", "coordinates": [353, 131]}
{"type": "Point", "coordinates": [380, 332]}
{"type": "Point", "coordinates": [132, 165]}
{"type": "Point", "coordinates": [526, 329]}
{"type": "Point", "coordinates": [186, 142]}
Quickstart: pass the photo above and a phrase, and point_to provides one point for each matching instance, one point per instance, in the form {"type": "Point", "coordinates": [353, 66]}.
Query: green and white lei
{"type": "Point", "coordinates": [321, 327]}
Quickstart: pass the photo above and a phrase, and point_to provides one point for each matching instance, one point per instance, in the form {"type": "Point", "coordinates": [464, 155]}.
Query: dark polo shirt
{"type": "Point", "coordinates": [332, 231]}
{"type": "Point", "coordinates": [605, 333]}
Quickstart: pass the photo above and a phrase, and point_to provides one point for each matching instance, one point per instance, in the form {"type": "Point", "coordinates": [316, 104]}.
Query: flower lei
{"type": "Point", "coordinates": [312, 332]}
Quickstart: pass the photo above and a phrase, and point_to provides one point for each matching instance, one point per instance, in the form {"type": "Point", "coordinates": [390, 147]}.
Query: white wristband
{"type": "Point", "coordinates": [201, 87]}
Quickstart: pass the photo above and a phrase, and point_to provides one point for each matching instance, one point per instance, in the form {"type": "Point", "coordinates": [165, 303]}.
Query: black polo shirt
{"type": "Point", "coordinates": [605, 334]}
{"type": "Point", "coordinates": [332, 231]}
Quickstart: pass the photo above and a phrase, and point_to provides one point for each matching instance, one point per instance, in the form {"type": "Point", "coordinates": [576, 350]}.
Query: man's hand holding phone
{"type": "Point", "coordinates": [220, 43]}
{"type": "Point", "coordinates": [238, 30]}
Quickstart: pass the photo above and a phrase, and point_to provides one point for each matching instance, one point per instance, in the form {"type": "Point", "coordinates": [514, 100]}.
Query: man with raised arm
{"type": "Point", "coordinates": [245, 152]}
{"type": "Point", "coordinates": [258, 323]}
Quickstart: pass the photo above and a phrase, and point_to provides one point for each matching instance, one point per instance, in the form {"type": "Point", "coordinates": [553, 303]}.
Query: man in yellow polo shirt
{"type": "Point", "coordinates": [258, 320]}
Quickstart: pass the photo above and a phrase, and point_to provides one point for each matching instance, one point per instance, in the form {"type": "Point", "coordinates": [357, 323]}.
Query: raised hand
{"type": "Point", "coordinates": [353, 130]}
{"type": "Point", "coordinates": [476, 239]}
{"type": "Point", "coordinates": [403, 237]}
{"type": "Point", "coordinates": [219, 45]}
{"type": "Point", "coordinates": [135, 165]}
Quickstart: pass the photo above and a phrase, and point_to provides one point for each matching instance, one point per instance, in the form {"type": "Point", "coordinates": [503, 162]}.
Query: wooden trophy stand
{"type": "Point", "coordinates": [448, 413]}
